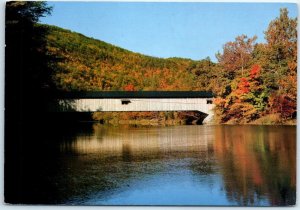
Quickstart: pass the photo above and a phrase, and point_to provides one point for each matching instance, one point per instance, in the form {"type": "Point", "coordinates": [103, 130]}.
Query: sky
{"type": "Point", "coordinates": [167, 29]}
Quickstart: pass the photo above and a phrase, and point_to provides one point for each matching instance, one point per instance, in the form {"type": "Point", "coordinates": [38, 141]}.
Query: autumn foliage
{"type": "Point", "coordinates": [266, 83]}
{"type": "Point", "coordinates": [255, 71]}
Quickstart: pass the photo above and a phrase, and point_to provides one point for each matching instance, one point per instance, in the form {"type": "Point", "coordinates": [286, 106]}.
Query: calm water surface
{"type": "Point", "coordinates": [93, 164]}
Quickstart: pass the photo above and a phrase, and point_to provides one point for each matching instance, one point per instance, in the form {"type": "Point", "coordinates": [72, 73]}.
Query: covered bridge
{"type": "Point", "coordinates": [110, 101]}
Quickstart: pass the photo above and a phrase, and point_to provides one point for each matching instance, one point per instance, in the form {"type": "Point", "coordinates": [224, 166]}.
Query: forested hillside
{"type": "Point", "coordinates": [90, 65]}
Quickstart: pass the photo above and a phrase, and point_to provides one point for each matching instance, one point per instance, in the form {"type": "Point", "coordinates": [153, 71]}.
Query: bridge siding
{"type": "Point", "coordinates": [137, 104]}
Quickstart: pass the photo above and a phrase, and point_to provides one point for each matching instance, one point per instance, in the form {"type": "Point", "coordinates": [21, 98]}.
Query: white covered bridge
{"type": "Point", "coordinates": [133, 101]}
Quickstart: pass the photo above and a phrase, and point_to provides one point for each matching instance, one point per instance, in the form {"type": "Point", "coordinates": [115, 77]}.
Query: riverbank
{"type": "Point", "coordinates": [265, 120]}
{"type": "Point", "coordinates": [159, 119]}
{"type": "Point", "coordinates": [147, 122]}
{"type": "Point", "coordinates": [271, 119]}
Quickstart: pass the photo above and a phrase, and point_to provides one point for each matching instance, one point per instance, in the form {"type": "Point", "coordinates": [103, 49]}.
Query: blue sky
{"type": "Point", "coordinates": [190, 30]}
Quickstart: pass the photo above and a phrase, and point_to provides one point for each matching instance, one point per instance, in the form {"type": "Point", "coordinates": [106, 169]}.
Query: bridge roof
{"type": "Point", "coordinates": [135, 94]}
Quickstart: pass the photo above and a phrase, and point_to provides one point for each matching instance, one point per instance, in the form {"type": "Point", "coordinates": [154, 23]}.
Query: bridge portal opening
{"type": "Point", "coordinates": [209, 101]}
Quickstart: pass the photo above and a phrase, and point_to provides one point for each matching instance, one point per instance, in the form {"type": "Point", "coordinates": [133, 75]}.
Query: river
{"type": "Point", "coordinates": [93, 164]}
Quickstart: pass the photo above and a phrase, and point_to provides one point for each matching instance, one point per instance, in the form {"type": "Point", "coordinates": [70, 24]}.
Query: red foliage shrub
{"type": "Point", "coordinates": [129, 87]}
{"type": "Point", "coordinates": [255, 71]}
{"type": "Point", "coordinates": [243, 86]}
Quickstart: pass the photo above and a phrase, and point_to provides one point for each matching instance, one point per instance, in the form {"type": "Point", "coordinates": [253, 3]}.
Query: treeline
{"type": "Point", "coordinates": [259, 80]}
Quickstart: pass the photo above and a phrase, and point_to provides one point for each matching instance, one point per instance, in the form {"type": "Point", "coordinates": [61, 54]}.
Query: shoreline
{"type": "Point", "coordinates": [179, 123]}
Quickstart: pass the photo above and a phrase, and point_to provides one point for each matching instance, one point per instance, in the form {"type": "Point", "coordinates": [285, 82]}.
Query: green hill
{"type": "Point", "coordinates": [91, 65]}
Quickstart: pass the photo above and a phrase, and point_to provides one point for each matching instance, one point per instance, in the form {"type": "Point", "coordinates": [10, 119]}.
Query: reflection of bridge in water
{"type": "Point", "coordinates": [135, 101]}
{"type": "Point", "coordinates": [143, 140]}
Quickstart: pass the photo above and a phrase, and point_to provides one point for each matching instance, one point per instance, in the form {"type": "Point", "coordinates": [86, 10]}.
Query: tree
{"type": "Point", "coordinates": [236, 55]}
{"type": "Point", "coordinates": [281, 66]}
{"type": "Point", "coordinates": [281, 37]}
{"type": "Point", "coordinates": [24, 37]}
{"type": "Point", "coordinates": [247, 100]}
{"type": "Point", "coordinates": [281, 52]}
{"type": "Point", "coordinates": [18, 12]}
{"type": "Point", "coordinates": [26, 74]}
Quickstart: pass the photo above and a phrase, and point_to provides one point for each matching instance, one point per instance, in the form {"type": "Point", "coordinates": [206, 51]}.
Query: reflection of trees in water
{"type": "Point", "coordinates": [257, 163]}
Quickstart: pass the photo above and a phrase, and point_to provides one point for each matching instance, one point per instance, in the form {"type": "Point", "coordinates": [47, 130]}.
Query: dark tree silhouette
{"type": "Point", "coordinates": [26, 79]}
